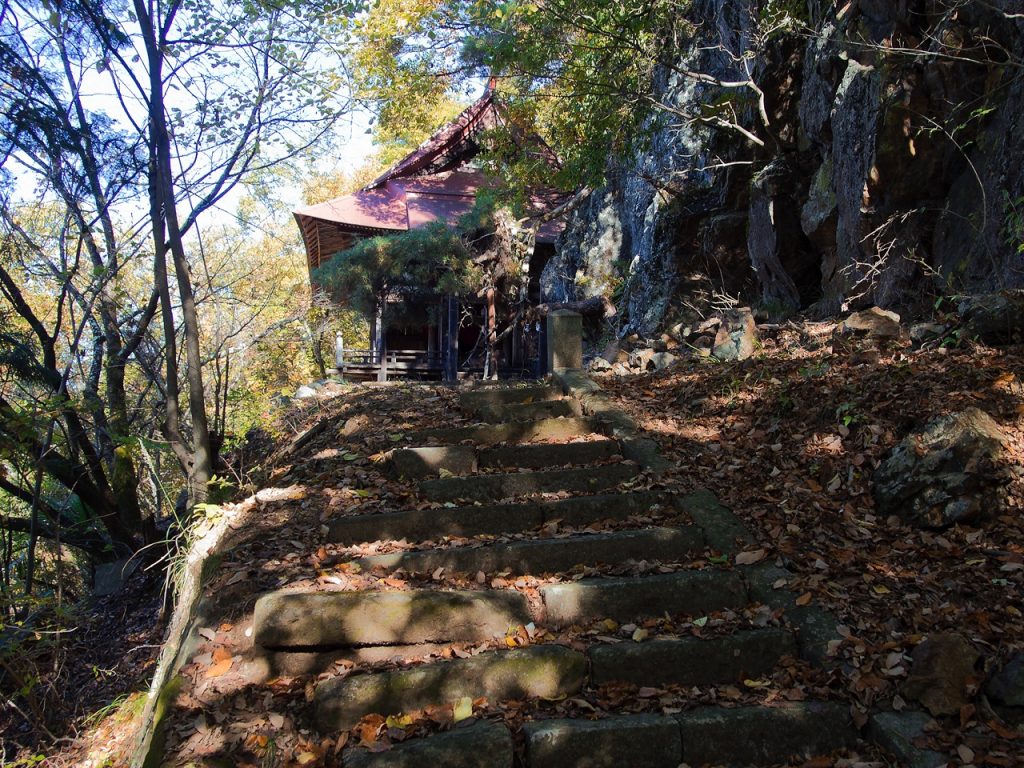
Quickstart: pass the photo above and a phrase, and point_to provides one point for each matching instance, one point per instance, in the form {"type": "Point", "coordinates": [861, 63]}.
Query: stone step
{"type": "Point", "coordinates": [548, 555]}
{"type": "Point", "coordinates": [765, 735]}
{"type": "Point", "coordinates": [693, 593]}
{"type": "Point", "coordinates": [512, 432]}
{"type": "Point", "coordinates": [331, 619]}
{"type": "Point", "coordinates": [542, 671]}
{"type": "Point", "coordinates": [638, 741]}
{"type": "Point", "coordinates": [691, 660]}
{"type": "Point", "coordinates": [429, 461]}
{"type": "Point", "coordinates": [485, 488]}
{"type": "Point", "coordinates": [474, 399]}
{"type": "Point", "coordinates": [424, 524]}
{"type": "Point", "coordinates": [481, 745]}
{"type": "Point", "coordinates": [545, 409]}
{"type": "Point", "coordinates": [542, 456]}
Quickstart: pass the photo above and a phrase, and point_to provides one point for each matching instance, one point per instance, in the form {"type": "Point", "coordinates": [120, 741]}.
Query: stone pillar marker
{"type": "Point", "coordinates": [565, 340]}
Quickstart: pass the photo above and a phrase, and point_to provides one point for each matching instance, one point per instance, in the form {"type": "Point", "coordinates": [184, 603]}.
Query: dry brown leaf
{"type": "Point", "coordinates": [749, 558]}
{"type": "Point", "coordinates": [219, 668]}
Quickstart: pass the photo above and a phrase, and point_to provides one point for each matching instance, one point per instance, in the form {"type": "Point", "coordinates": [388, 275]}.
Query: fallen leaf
{"type": "Point", "coordinates": [219, 668]}
{"type": "Point", "coordinates": [749, 558]}
{"type": "Point", "coordinates": [804, 599]}
{"type": "Point", "coordinates": [463, 709]}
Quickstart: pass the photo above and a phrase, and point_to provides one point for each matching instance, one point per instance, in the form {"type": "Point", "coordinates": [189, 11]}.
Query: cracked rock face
{"type": "Point", "coordinates": [947, 473]}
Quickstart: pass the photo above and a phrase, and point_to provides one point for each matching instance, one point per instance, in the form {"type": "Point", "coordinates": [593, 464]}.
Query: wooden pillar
{"type": "Point", "coordinates": [450, 339]}
{"type": "Point", "coordinates": [490, 323]}
{"type": "Point", "coordinates": [380, 350]}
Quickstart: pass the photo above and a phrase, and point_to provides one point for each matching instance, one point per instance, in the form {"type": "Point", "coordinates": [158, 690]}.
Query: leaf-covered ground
{"type": "Point", "coordinates": [788, 440]}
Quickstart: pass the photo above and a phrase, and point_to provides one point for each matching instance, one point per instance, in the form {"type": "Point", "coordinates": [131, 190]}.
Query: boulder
{"type": "Point", "coordinates": [599, 365]}
{"type": "Point", "coordinates": [947, 473]}
{"type": "Point", "coordinates": [941, 669]}
{"type": "Point", "coordinates": [641, 358]}
{"type": "Point", "coordinates": [736, 335]}
{"type": "Point", "coordinates": [1007, 685]}
{"type": "Point", "coordinates": [872, 323]}
{"type": "Point", "coordinates": [922, 333]}
{"type": "Point", "coordinates": [994, 318]}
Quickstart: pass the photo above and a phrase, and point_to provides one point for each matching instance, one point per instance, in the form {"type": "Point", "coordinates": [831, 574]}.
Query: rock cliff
{"type": "Point", "coordinates": [815, 156]}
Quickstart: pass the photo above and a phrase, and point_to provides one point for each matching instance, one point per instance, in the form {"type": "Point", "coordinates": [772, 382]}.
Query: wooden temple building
{"type": "Point", "coordinates": [439, 336]}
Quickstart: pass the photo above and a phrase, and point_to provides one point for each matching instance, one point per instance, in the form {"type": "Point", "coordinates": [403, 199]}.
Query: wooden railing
{"type": "Point", "coordinates": [367, 363]}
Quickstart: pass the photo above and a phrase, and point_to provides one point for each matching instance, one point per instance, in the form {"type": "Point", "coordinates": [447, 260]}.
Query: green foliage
{"type": "Point", "coordinates": [579, 69]}
{"type": "Point", "coordinates": [434, 258]}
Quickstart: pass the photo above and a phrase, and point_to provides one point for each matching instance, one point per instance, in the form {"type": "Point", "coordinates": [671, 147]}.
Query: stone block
{"type": "Point", "coordinates": [428, 461]}
{"type": "Point", "coordinates": [565, 339]}
{"type": "Point", "coordinates": [546, 455]}
{"type": "Point", "coordinates": [481, 745]}
{"type": "Point", "coordinates": [317, 619]}
{"type": "Point", "coordinates": [494, 487]}
{"type": "Point", "coordinates": [545, 409]}
{"type": "Point", "coordinates": [548, 555]}
{"type": "Point", "coordinates": [542, 671]}
{"type": "Point", "coordinates": [896, 732]}
{"type": "Point", "coordinates": [516, 432]}
{"type": "Point", "coordinates": [691, 660]}
{"type": "Point", "coordinates": [693, 593]}
{"type": "Point", "coordinates": [474, 399]}
{"type": "Point", "coordinates": [639, 741]}
{"type": "Point", "coordinates": [762, 735]}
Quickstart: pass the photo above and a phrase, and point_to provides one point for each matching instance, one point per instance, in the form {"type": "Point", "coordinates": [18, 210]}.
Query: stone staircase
{"type": "Point", "coordinates": [504, 459]}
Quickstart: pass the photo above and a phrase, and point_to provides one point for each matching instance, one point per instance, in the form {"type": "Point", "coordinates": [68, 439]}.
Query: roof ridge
{"type": "Point", "coordinates": [445, 137]}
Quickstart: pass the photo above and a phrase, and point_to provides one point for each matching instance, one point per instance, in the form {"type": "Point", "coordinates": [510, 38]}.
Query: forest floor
{"type": "Point", "coordinates": [787, 440]}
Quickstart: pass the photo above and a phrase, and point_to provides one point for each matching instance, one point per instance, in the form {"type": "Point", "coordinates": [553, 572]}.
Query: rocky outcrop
{"type": "Point", "coordinates": [875, 179]}
{"type": "Point", "coordinates": [947, 473]}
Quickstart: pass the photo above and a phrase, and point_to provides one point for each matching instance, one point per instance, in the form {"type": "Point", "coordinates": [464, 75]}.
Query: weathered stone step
{"type": "Point", "coordinates": [543, 671]}
{"type": "Point", "coordinates": [512, 432]}
{"type": "Point", "coordinates": [424, 524]}
{"type": "Point", "coordinates": [505, 486]}
{"type": "Point", "coordinates": [332, 619]}
{"type": "Point", "coordinates": [542, 456]}
{"type": "Point", "coordinates": [765, 735]}
{"type": "Point", "coordinates": [638, 741]}
{"type": "Point", "coordinates": [546, 409]}
{"type": "Point", "coordinates": [481, 745]}
{"type": "Point", "coordinates": [693, 593]}
{"type": "Point", "coordinates": [548, 555]}
{"type": "Point", "coordinates": [475, 399]}
{"type": "Point", "coordinates": [691, 660]}
{"type": "Point", "coordinates": [428, 461]}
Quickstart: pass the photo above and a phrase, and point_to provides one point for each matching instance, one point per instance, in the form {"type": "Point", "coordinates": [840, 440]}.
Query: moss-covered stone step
{"type": "Point", "coordinates": [474, 399]}
{"type": "Point", "coordinates": [505, 486]}
{"type": "Point", "coordinates": [424, 524]}
{"type": "Point", "coordinates": [691, 660]}
{"type": "Point", "coordinates": [544, 455]}
{"type": "Point", "coordinates": [481, 745]}
{"type": "Point", "coordinates": [637, 741]}
{"type": "Point", "coordinates": [693, 593]}
{"type": "Point", "coordinates": [512, 432]}
{"type": "Point", "coordinates": [545, 409]}
{"type": "Point", "coordinates": [765, 735]}
{"type": "Point", "coordinates": [332, 619]}
{"type": "Point", "coordinates": [548, 555]}
{"type": "Point", "coordinates": [543, 671]}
